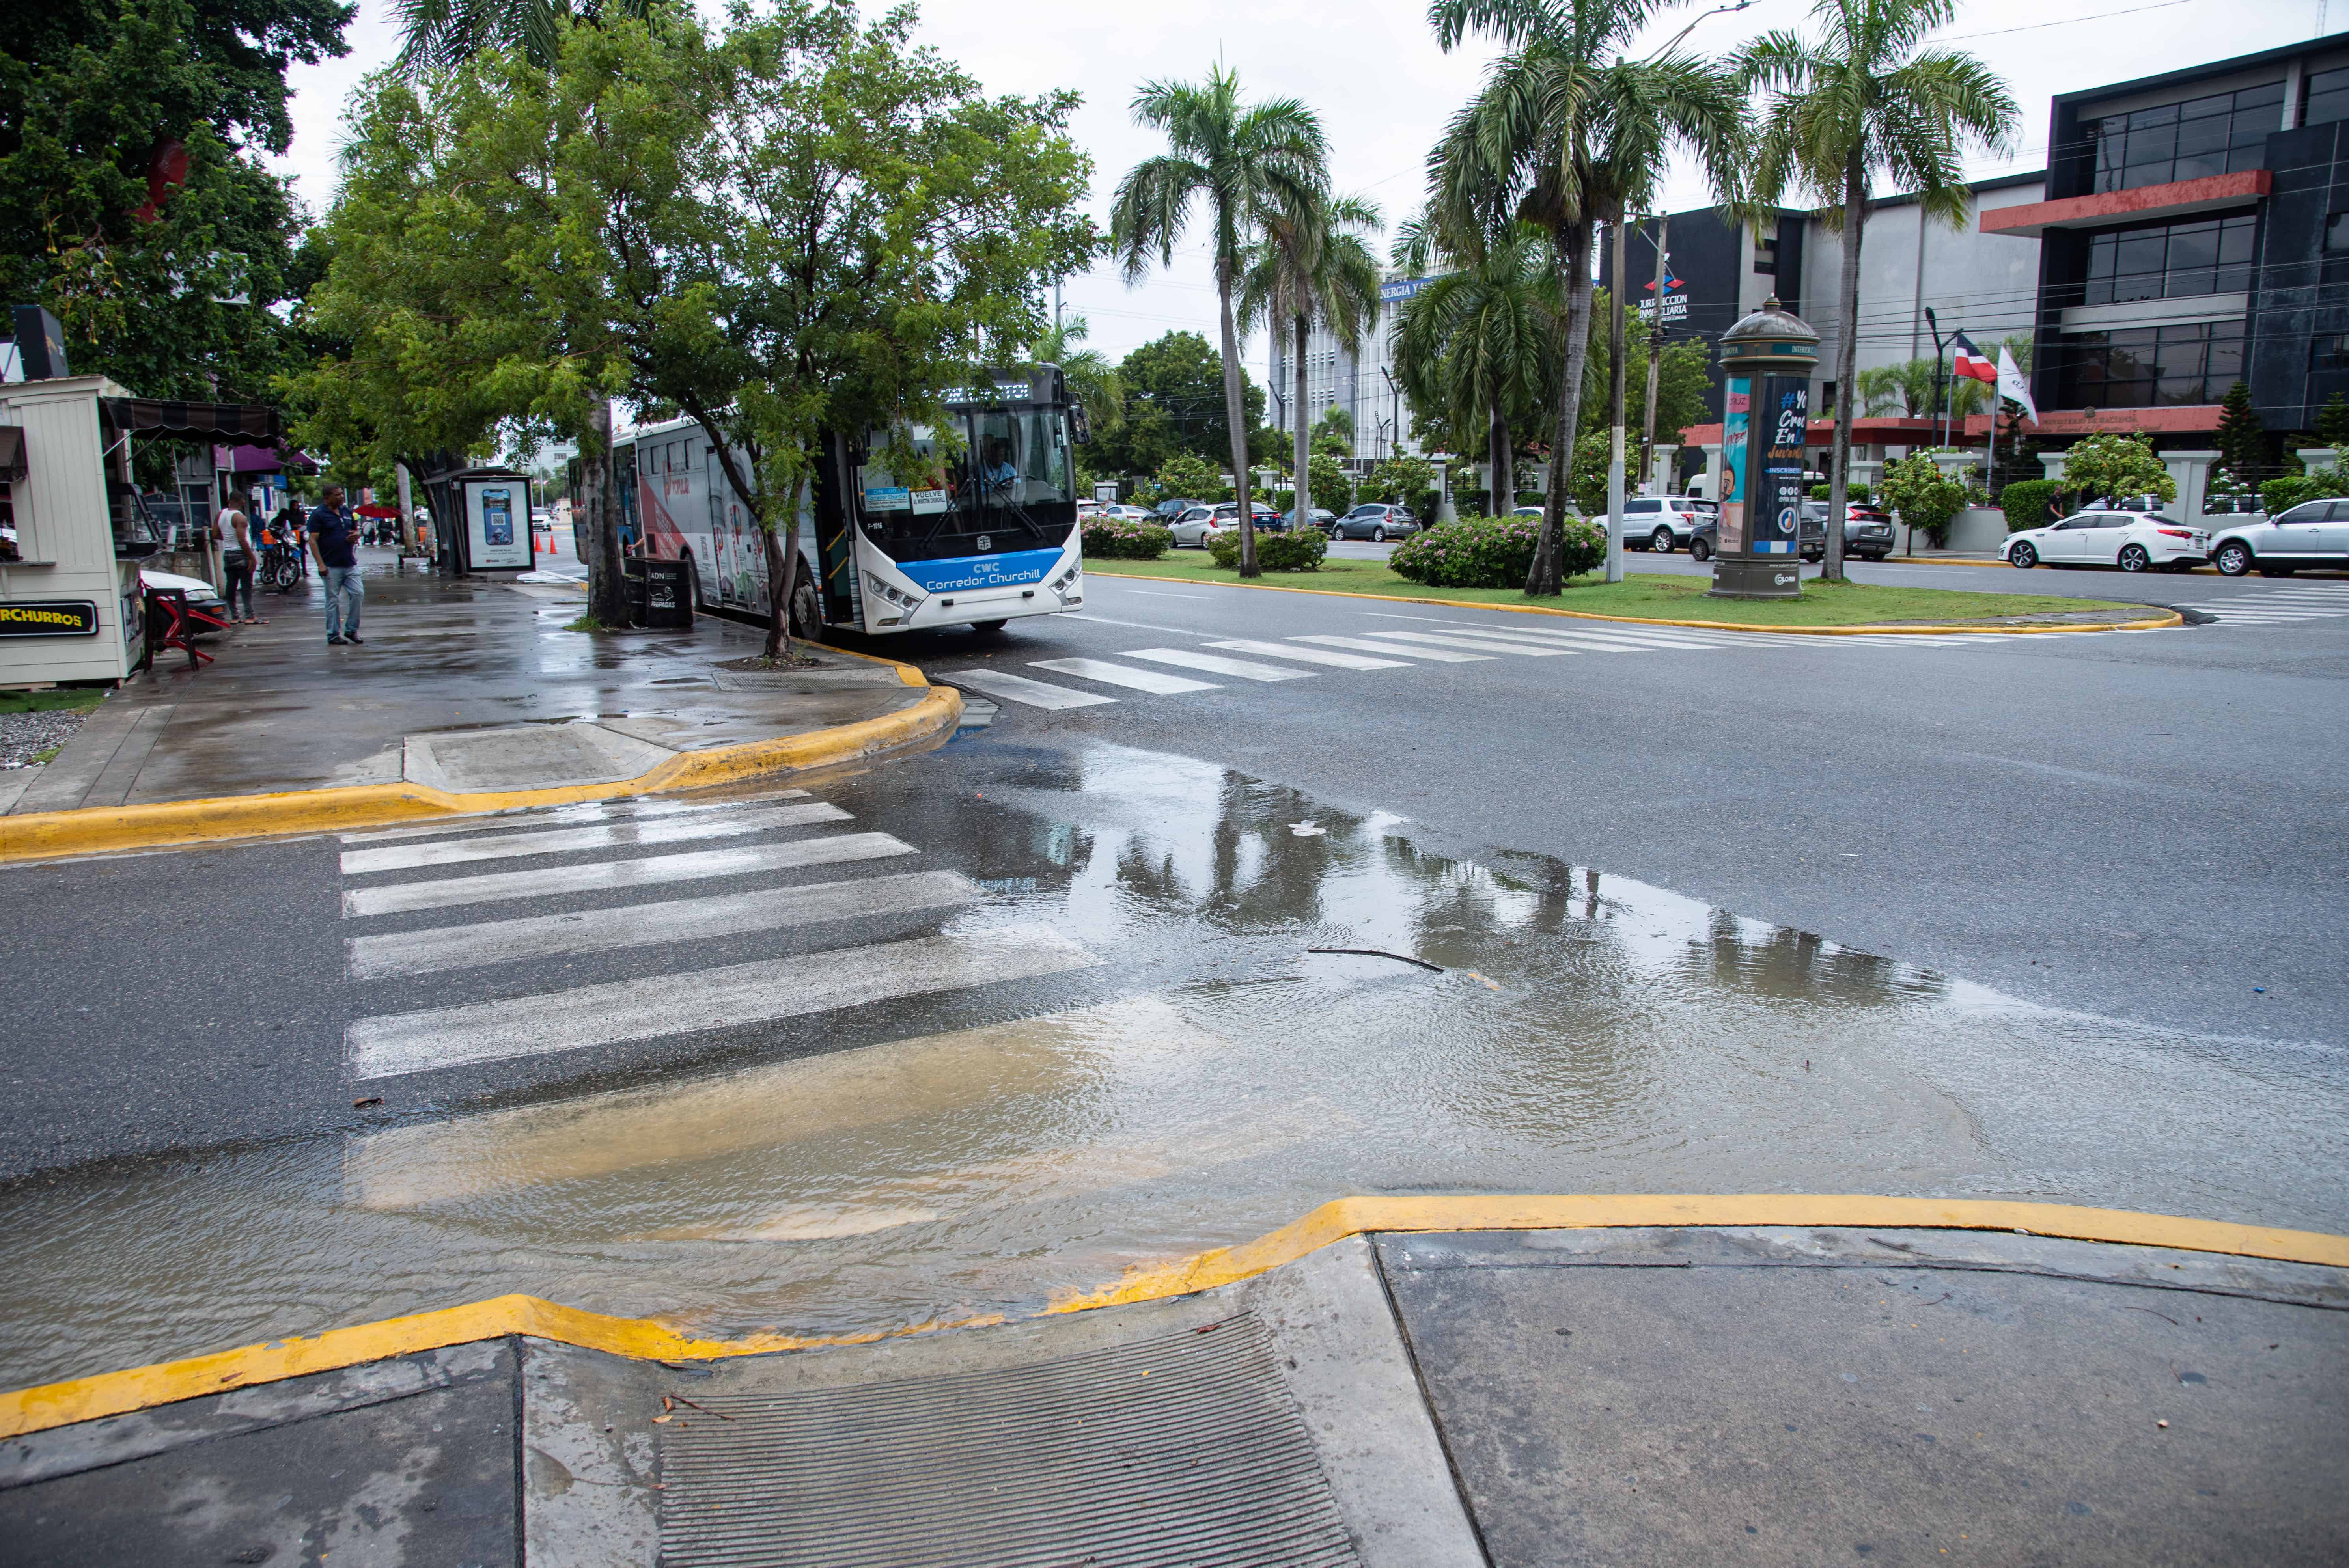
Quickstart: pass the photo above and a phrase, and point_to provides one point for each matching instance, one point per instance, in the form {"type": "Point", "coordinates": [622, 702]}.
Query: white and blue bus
{"type": "Point", "coordinates": [975, 540]}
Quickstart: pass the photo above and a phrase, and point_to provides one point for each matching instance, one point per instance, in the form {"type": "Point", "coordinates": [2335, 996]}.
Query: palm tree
{"type": "Point", "coordinates": [1561, 138]}
{"type": "Point", "coordinates": [1247, 162]}
{"type": "Point", "coordinates": [1868, 95]}
{"type": "Point", "coordinates": [1312, 269]}
{"type": "Point", "coordinates": [1479, 342]}
{"type": "Point", "coordinates": [438, 33]}
{"type": "Point", "coordinates": [1092, 381]}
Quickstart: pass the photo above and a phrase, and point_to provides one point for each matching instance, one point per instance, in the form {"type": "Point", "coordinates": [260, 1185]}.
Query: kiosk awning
{"type": "Point", "coordinates": [221, 422]}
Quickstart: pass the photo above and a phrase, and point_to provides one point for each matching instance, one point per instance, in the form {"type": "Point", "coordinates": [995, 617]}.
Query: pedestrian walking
{"type": "Point", "coordinates": [334, 540]}
{"type": "Point", "coordinates": [236, 544]}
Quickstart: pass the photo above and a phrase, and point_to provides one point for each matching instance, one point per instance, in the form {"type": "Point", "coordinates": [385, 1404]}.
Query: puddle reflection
{"type": "Point", "coordinates": [1586, 1034]}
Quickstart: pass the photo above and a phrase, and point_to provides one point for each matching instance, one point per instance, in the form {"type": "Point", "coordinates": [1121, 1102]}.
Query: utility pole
{"type": "Point", "coordinates": [1615, 379]}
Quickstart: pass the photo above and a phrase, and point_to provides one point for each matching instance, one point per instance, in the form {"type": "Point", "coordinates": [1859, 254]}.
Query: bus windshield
{"type": "Point", "coordinates": [1009, 489]}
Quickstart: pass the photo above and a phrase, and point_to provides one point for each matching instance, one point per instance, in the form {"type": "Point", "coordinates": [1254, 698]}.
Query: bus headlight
{"type": "Point", "coordinates": [884, 591]}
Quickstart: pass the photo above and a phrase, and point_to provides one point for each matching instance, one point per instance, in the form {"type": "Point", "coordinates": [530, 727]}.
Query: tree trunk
{"type": "Point", "coordinates": [1500, 452]}
{"type": "Point", "coordinates": [1574, 239]}
{"type": "Point", "coordinates": [782, 572]}
{"type": "Point", "coordinates": [607, 592]}
{"type": "Point", "coordinates": [1615, 402]}
{"type": "Point", "coordinates": [1236, 415]}
{"type": "Point", "coordinates": [1302, 515]}
{"type": "Point", "coordinates": [1855, 218]}
{"type": "Point", "coordinates": [1655, 360]}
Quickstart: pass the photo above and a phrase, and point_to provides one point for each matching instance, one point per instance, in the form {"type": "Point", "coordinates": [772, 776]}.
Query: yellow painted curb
{"type": "Point", "coordinates": [2167, 618]}
{"type": "Point", "coordinates": [114, 1393]}
{"type": "Point", "coordinates": [112, 830]}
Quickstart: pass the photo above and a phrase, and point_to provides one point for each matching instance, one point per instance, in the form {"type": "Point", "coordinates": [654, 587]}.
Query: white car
{"type": "Point", "coordinates": [2132, 541]}
{"type": "Point", "coordinates": [2313, 533]}
{"type": "Point", "coordinates": [202, 596]}
{"type": "Point", "coordinates": [1662, 523]}
{"type": "Point", "coordinates": [1200, 524]}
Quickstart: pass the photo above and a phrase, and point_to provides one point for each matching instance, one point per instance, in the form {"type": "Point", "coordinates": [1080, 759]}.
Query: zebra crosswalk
{"type": "Point", "coordinates": [742, 891]}
{"type": "Point", "coordinates": [1412, 642]}
{"type": "Point", "coordinates": [2271, 606]}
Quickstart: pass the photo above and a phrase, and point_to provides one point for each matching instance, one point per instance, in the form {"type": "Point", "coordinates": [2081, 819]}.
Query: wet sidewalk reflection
{"type": "Point", "coordinates": [1215, 1079]}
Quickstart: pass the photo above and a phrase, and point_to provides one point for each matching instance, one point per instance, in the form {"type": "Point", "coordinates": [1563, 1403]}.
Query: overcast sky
{"type": "Point", "coordinates": [1372, 70]}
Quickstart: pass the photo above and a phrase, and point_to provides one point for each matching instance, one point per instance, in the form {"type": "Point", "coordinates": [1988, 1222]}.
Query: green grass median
{"type": "Point", "coordinates": [1651, 597]}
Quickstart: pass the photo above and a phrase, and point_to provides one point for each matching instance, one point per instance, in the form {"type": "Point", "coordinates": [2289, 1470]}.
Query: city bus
{"type": "Point", "coordinates": [975, 537]}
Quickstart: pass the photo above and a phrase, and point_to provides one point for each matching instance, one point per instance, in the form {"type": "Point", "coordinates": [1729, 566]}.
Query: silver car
{"type": "Point", "coordinates": [1197, 525]}
{"type": "Point", "coordinates": [2313, 533]}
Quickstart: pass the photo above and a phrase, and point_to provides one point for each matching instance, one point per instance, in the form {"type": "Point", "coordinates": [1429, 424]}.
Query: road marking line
{"type": "Point", "coordinates": [1162, 594]}
{"type": "Point", "coordinates": [1481, 644]}
{"type": "Point", "coordinates": [656, 1007]}
{"type": "Point", "coordinates": [1118, 675]}
{"type": "Point", "coordinates": [1214, 665]}
{"type": "Point", "coordinates": [1364, 644]}
{"type": "Point", "coordinates": [1590, 642]}
{"type": "Point", "coordinates": [1020, 688]}
{"type": "Point", "coordinates": [605, 876]}
{"type": "Point", "coordinates": [447, 947]}
{"type": "Point", "coordinates": [570, 840]}
{"type": "Point", "coordinates": [1312, 655]}
{"type": "Point", "coordinates": [594, 811]}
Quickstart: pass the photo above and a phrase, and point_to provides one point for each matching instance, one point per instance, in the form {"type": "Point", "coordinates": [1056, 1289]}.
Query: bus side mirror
{"type": "Point", "coordinates": [1080, 428]}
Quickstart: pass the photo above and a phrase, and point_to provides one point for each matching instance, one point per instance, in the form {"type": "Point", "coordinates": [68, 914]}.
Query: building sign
{"type": "Point", "coordinates": [55, 618]}
{"type": "Point", "coordinates": [1401, 289]}
{"type": "Point", "coordinates": [1675, 294]}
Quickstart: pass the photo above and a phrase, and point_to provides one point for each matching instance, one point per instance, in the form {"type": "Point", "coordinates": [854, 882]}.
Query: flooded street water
{"type": "Point", "coordinates": [1207, 1079]}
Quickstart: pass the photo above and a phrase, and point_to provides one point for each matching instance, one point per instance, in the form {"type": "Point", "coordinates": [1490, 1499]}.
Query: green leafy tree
{"type": "Point", "coordinates": [1333, 487]}
{"type": "Point", "coordinates": [1406, 480]}
{"type": "Point", "coordinates": [1916, 488]}
{"type": "Point", "coordinates": [1186, 476]}
{"type": "Point", "coordinates": [1868, 97]}
{"type": "Point", "coordinates": [2242, 440]}
{"type": "Point", "coordinates": [2333, 421]}
{"type": "Point", "coordinates": [1564, 136]}
{"type": "Point", "coordinates": [1476, 349]}
{"type": "Point", "coordinates": [1244, 163]}
{"type": "Point", "coordinates": [439, 33]}
{"type": "Point", "coordinates": [807, 225]}
{"type": "Point", "coordinates": [134, 202]}
{"type": "Point", "coordinates": [1173, 401]}
{"type": "Point", "coordinates": [2116, 467]}
{"type": "Point", "coordinates": [1333, 433]}
{"type": "Point", "coordinates": [1092, 381]}
{"type": "Point", "coordinates": [1309, 267]}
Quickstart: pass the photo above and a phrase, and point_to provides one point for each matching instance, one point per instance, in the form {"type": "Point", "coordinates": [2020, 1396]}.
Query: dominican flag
{"type": "Point", "coordinates": [1971, 362]}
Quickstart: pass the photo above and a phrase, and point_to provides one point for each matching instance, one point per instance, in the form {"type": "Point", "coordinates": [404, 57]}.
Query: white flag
{"type": "Point", "coordinates": [2013, 384]}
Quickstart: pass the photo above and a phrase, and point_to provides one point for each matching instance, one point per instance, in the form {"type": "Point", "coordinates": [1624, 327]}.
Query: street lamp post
{"type": "Point", "coordinates": [1766, 361]}
{"type": "Point", "coordinates": [1941, 426]}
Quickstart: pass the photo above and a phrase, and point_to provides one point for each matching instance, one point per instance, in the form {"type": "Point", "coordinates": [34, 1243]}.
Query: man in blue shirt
{"type": "Point", "coordinates": [332, 539]}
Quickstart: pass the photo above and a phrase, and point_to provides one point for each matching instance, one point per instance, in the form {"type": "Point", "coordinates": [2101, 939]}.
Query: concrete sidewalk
{"type": "Point", "coordinates": [1654, 1394]}
{"type": "Point", "coordinates": [461, 687]}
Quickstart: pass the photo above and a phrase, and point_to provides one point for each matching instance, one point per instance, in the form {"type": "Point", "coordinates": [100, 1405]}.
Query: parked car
{"type": "Point", "coordinates": [2132, 541]}
{"type": "Point", "coordinates": [1662, 523]}
{"type": "Point", "coordinates": [1168, 510]}
{"type": "Point", "coordinates": [1377, 522]}
{"type": "Point", "coordinates": [1196, 525]}
{"type": "Point", "coordinates": [1704, 540]}
{"type": "Point", "coordinates": [202, 596]}
{"type": "Point", "coordinates": [1267, 519]}
{"type": "Point", "coordinates": [2313, 533]}
{"type": "Point", "coordinates": [1867, 532]}
{"type": "Point", "coordinates": [1322, 518]}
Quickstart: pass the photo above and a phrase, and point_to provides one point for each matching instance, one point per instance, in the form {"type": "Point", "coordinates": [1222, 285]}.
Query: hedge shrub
{"type": "Point", "coordinates": [1491, 553]}
{"type": "Point", "coordinates": [2282, 495]}
{"type": "Point", "coordinates": [1122, 539]}
{"type": "Point", "coordinates": [1300, 549]}
{"type": "Point", "coordinates": [2027, 501]}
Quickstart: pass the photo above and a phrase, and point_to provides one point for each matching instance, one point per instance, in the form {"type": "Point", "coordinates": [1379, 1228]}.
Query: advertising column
{"type": "Point", "coordinates": [1767, 359]}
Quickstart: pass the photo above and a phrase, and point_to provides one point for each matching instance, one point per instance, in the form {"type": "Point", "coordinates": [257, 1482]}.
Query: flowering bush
{"type": "Point", "coordinates": [1118, 539]}
{"type": "Point", "coordinates": [1493, 552]}
{"type": "Point", "coordinates": [1300, 549]}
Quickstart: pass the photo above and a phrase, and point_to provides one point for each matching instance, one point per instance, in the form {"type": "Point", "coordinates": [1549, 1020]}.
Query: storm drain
{"type": "Point", "coordinates": [1184, 1449]}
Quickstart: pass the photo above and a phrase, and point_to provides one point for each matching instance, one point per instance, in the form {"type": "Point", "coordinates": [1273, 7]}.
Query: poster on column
{"type": "Point", "coordinates": [1777, 509]}
{"type": "Point", "coordinates": [1736, 416]}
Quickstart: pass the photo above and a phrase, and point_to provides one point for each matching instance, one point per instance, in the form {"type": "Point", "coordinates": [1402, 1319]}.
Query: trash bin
{"type": "Point", "coordinates": [659, 597]}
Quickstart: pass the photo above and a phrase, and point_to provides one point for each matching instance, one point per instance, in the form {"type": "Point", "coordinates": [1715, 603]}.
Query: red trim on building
{"type": "Point", "coordinates": [2177, 198]}
{"type": "Point", "coordinates": [2174, 419]}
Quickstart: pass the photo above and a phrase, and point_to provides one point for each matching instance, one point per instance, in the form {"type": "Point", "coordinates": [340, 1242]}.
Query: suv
{"type": "Point", "coordinates": [2313, 533]}
{"type": "Point", "coordinates": [1866, 531]}
{"type": "Point", "coordinates": [1377, 522]}
{"type": "Point", "coordinates": [1662, 523]}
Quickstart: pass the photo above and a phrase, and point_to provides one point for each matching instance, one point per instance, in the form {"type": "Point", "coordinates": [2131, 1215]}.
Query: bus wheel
{"type": "Point", "coordinates": [987, 626]}
{"type": "Point", "coordinates": [807, 616]}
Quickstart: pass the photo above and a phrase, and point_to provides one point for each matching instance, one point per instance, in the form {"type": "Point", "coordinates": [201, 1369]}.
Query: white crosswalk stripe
{"type": "Point", "coordinates": [1364, 646]}
{"type": "Point", "coordinates": [571, 841]}
{"type": "Point", "coordinates": [2276, 606]}
{"type": "Point", "coordinates": [1102, 670]}
{"type": "Point", "coordinates": [1333, 660]}
{"type": "Point", "coordinates": [449, 947]}
{"type": "Point", "coordinates": [543, 816]}
{"type": "Point", "coordinates": [1020, 689]}
{"type": "Point", "coordinates": [605, 876]}
{"type": "Point", "coordinates": [1475, 644]}
{"type": "Point", "coordinates": [662, 1006]}
{"type": "Point", "coordinates": [1215, 663]}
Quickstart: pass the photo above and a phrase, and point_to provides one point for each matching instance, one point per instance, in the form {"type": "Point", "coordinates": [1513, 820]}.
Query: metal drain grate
{"type": "Point", "coordinates": [1184, 1449]}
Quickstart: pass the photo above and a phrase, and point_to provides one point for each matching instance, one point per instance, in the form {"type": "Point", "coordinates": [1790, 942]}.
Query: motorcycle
{"type": "Point", "coordinates": [280, 568]}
